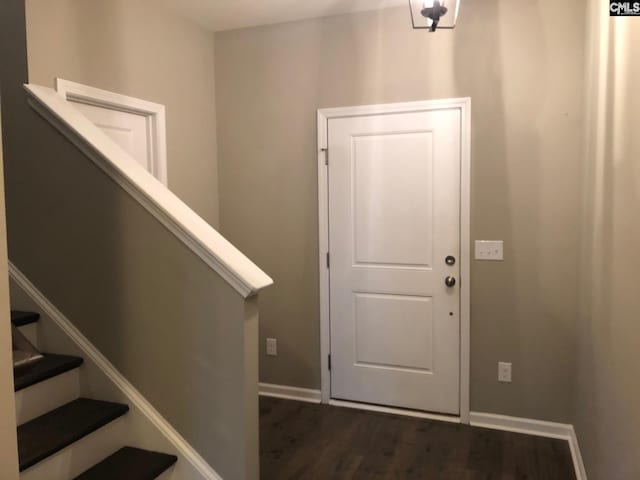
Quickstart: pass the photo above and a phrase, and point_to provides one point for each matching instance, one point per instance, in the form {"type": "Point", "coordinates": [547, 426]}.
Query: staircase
{"type": "Point", "coordinates": [53, 420]}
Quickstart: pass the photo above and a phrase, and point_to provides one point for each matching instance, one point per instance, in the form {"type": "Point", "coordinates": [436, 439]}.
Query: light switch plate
{"type": "Point", "coordinates": [490, 250]}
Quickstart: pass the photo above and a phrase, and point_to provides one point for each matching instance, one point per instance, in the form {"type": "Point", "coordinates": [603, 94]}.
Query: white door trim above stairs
{"type": "Point", "coordinates": [323, 116]}
{"type": "Point", "coordinates": [153, 113]}
{"type": "Point", "coordinates": [190, 460]}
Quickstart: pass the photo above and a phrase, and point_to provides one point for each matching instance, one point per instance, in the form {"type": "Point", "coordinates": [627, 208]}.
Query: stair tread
{"type": "Point", "coordinates": [43, 436]}
{"type": "Point", "coordinates": [130, 463]}
{"type": "Point", "coordinates": [20, 318]}
{"type": "Point", "coordinates": [50, 366]}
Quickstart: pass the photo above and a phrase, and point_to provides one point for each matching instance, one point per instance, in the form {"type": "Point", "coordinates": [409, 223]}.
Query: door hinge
{"type": "Point", "coordinates": [329, 361]}
{"type": "Point", "coordinates": [328, 260]}
{"type": "Point", "coordinates": [326, 155]}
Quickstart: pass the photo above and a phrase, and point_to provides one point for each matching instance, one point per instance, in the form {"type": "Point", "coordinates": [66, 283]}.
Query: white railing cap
{"type": "Point", "coordinates": [231, 264]}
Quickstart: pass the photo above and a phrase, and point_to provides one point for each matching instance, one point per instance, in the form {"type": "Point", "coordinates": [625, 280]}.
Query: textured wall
{"type": "Point", "coordinates": [607, 410]}
{"type": "Point", "coordinates": [523, 70]}
{"type": "Point", "coordinates": [137, 48]}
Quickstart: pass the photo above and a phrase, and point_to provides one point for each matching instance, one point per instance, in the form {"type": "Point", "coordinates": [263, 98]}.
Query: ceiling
{"type": "Point", "coordinates": [219, 15]}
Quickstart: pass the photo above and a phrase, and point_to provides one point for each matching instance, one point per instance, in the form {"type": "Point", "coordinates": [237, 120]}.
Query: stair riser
{"type": "Point", "coordinates": [45, 396]}
{"type": "Point", "coordinates": [168, 475]}
{"type": "Point", "coordinates": [31, 332]}
{"type": "Point", "coordinates": [80, 456]}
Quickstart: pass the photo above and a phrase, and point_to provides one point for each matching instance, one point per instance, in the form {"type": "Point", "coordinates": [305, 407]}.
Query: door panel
{"type": "Point", "coordinates": [381, 190]}
{"type": "Point", "coordinates": [394, 331]}
{"type": "Point", "coordinates": [394, 216]}
{"type": "Point", "coordinates": [129, 130]}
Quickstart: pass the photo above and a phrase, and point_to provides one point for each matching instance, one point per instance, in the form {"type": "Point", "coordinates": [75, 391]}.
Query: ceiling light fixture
{"type": "Point", "coordinates": [427, 14]}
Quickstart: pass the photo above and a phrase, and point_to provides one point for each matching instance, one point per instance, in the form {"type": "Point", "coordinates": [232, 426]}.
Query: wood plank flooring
{"type": "Point", "coordinates": [306, 441]}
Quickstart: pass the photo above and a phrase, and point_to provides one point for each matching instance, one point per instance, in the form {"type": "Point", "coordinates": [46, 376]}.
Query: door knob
{"type": "Point", "coordinates": [450, 281]}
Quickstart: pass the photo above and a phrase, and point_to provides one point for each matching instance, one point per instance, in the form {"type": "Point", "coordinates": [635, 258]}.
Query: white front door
{"type": "Point", "coordinates": [394, 238]}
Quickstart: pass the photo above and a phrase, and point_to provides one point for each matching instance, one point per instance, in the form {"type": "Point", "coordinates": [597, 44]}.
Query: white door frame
{"type": "Point", "coordinates": [464, 105]}
{"type": "Point", "coordinates": [154, 114]}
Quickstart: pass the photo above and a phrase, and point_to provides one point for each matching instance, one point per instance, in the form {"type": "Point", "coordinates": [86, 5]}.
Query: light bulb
{"type": "Point", "coordinates": [427, 4]}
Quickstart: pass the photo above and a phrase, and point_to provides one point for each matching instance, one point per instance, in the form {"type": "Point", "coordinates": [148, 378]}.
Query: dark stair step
{"type": "Point", "coordinates": [50, 366]}
{"type": "Point", "coordinates": [130, 463]}
{"type": "Point", "coordinates": [43, 436]}
{"type": "Point", "coordinates": [20, 319]}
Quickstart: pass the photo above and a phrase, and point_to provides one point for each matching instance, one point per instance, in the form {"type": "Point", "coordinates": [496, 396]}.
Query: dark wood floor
{"type": "Point", "coordinates": [306, 441]}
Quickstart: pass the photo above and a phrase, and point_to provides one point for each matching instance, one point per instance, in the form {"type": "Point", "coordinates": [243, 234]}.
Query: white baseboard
{"type": "Point", "coordinates": [539, 428]}
{"type": "Point", "coordinates": [521, 425]}
{"type": "Point", "coordinates": [188, 459]}
{"type": "Point", "coordinates": [290, 393]}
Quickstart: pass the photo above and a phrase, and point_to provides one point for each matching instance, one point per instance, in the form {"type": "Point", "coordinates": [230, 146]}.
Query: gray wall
{"type": "Point", "coordinates": [607, 406]}
{"type": "Point", "coordinates": [174, 328]}
{"type": "Point", "coordinates": [523, 69]}
{"type": "Point", "coordinates": [137, 48]}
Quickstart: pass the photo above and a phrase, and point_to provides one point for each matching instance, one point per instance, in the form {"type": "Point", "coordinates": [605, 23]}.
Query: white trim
{"type": "Point", "coordinates": [465, 261]}
{"type": "Point", "coordinates": [290, 393]}
{"type": "Point", "coordinates": [240, 272]}
{"type": "Point", "coordinates": [464, 104]}
{"type": "Point", "coordinates": [576, 455]}
{"type": "Point", "coordinates": [134, 397]}
{"type": "Point", "coordinates": [520, 425]}
{"type": "Point", "coordinates": [154, 114]}
{"type": "Point", "coordinates": [387, 108]}
{"type": "Point", "coordinates": [394, 411]}
{"type": "Point", "coordinates": [538, 428]}
{"type": "Point", "coordinates": [323, 244]}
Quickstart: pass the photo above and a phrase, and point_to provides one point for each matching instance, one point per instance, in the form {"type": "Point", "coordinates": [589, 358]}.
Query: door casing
{"type": "Point", "coordinates": [324, 115]}
{"type": "Point", "coordinates": [153, 114]}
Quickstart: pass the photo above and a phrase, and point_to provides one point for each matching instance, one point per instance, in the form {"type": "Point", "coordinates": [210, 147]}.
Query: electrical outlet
{"type": "Point", "coordinates": [490, 250]}
{"type": "Point", "coordinates": [504, 372]}
{"type": "Point", "coordinates": [272, 347]}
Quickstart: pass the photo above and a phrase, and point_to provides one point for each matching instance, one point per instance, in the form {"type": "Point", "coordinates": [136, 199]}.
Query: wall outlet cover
{"type": "Point", "coordinates": [504, 372]}
{"type": "Point", "coordinates": [489, 250]}
{"type": "Point", "coordinates": [272, 347]}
